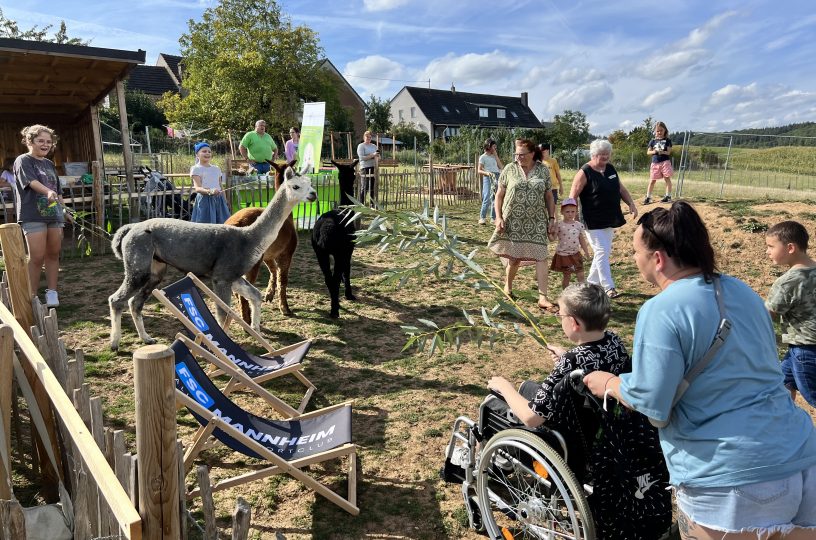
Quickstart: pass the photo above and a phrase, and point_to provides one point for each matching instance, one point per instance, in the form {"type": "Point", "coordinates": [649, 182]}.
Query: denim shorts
{"type": "Point", "coordinates": [30, 227]}
{"type": "Point", "coordinates": [799, 369]}
{"type": "Point", "coordinates": [765, 506]}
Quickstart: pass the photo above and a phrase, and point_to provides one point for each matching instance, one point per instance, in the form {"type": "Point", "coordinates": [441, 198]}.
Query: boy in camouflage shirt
{"type": "Point", "coordinates": [793, 298]}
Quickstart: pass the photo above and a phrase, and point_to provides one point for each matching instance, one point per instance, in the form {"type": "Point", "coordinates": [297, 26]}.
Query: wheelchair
{"type": "Point", "coordinates": [520, 482]}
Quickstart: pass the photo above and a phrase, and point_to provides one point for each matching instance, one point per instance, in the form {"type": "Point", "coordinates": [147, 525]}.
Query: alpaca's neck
{"type": "Point", "coordinates": [265, 229]}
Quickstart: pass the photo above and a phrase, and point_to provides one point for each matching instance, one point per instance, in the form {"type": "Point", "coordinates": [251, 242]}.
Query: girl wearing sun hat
{"type": "Point", "coordinates": [210, 203]}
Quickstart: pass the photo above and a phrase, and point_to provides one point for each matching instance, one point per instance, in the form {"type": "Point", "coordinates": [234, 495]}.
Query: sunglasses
{"type": "Point", "coordinates": [647, 222]}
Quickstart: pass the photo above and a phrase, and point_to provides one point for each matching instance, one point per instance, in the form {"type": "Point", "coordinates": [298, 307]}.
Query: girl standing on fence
{"type": "Point", "coordinates": [39, 208]}
{"type": "Point", "coordinates": [660, 150]}
{"type": "Point", "coordinates": [210, 204]}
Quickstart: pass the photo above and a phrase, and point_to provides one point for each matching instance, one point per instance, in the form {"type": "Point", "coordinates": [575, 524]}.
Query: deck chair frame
{"type": "Point", "coordinates": [237, 383]}
{"type": "Point", "coordinates": [279, 465]}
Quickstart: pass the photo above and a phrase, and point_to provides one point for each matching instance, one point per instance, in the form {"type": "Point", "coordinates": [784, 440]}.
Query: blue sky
{"type": "Point", "coordinates": [700, 65]}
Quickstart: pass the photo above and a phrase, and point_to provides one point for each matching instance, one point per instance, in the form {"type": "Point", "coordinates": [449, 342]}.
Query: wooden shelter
{"type": "Point", "coordinates": [61, 86]}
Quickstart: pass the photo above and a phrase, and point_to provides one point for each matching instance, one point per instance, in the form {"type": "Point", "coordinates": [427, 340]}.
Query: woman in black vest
{"type": "Point", "coordinates": [600, 191]}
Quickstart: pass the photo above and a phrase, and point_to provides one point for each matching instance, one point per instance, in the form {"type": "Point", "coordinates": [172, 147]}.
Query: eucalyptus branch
{"type": "Point", "coordinates": [429, 235]}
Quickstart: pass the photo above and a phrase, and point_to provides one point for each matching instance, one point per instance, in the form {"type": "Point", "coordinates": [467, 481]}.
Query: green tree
{"type": "Point", "coordinates": [640, 136]}
{"type": "Point", "coordinates": [10, 29]}
{"type": "Point", "coordinates": [406, 132]}
{"type": "Point", "coordinates": [378, 114]}
{"type": "Point", "coordinates": [141, 111]}
{"type": "Point", "coordinates": [617, 138]}
{"type": "Point", "coordinates": [570, 130]}
{"type": "Point", "coordinates": [245, 60]}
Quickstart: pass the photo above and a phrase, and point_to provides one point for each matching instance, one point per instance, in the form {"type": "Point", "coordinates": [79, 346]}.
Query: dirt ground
{"type": "Point", "coordinates": [404, 402]}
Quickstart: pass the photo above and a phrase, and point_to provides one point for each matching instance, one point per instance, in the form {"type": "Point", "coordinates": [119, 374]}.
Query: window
{"type": "Point", "coordinates": [483, 112]}
{"type": "Point", "coordinates": [413, 112]}
{"type": "Point", "coordinates": [499, 113]}
{"type": "Point", "coordinates": [400, 115]}
{"type": "Point", "coordinates": [445, 108]}
{"type": "Point", "coordinates": [514, 114]}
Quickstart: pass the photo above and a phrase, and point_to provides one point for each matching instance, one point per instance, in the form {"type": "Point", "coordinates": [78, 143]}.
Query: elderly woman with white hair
{"type": "Point", "coordinates": [600, 191]}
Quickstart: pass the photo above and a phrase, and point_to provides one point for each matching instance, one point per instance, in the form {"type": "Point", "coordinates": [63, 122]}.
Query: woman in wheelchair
{"type": "Point", "coordinates": [547, 461]}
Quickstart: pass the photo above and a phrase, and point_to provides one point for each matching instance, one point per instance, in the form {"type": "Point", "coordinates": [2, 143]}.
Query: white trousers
{"type": "Point", "coordinates": [600, 272]}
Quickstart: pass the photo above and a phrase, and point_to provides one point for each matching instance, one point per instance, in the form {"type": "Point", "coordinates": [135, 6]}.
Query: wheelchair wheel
{"type": "Point", "coordinates": [525, 490]}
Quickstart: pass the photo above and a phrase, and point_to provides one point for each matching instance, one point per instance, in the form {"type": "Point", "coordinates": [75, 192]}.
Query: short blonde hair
{"type": "Point", "coordinates": [368, 132]}
{"type": "Point", "coordinates": [30, 133]}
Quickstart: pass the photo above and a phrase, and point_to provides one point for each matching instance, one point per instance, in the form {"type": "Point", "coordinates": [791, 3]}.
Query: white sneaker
{"type": "Point", "coordinates": [459, 457]}
{"type": "Point", "coordinates": [51, 298]}
{"type": "Point", "coordinates": [481, 222]}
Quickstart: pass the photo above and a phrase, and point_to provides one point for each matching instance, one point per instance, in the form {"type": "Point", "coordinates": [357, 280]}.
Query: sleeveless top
{"type": "Point", "coordinates": [600, 198]}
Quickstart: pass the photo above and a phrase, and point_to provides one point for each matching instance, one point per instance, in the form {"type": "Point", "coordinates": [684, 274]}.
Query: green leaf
{"type": "Point", "coordinates": [429, 323]}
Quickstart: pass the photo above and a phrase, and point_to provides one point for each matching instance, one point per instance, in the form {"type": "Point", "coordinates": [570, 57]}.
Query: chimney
{"type": "Point", "coordinates": [524, 98]}
{"type": "Point", "coordinates": [453, 89]}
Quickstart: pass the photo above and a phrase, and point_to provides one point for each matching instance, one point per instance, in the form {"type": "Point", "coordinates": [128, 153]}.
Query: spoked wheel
{"type": "Point", "coordinates": [525, 490]}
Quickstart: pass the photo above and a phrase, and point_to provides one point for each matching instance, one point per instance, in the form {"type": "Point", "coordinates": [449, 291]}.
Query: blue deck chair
{"type": "Point", "coordinates": [288, 445]}
{"type": "Point", "coordinates": [185, 301]}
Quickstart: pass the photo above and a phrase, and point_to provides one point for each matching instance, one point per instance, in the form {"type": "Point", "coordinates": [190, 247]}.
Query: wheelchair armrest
{"type": "Point", "coordinates": [491, 422]}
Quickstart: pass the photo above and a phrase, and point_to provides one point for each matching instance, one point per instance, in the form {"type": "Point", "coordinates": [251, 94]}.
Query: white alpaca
{"type": "Point", "coordinates": [222, 252]}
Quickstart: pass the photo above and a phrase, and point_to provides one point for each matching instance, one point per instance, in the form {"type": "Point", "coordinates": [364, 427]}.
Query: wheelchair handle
{"type": "Point", "coordinates": [576, 379]}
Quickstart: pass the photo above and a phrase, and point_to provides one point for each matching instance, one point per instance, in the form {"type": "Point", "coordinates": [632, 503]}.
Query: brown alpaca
{"type": "Point", "coordinates": [277, 258]}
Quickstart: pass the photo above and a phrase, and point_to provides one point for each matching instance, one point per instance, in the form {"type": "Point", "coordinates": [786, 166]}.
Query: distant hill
{"type": "Point", "coordinates": [746, 140]}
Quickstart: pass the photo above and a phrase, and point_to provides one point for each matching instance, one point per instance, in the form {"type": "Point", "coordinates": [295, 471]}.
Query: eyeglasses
{"type": "Point", "coordinates": [647, 221]}
{"type": "Point", "coordinates": [562, 315]}
{"type": "Point", "coordinates": [43, 141]}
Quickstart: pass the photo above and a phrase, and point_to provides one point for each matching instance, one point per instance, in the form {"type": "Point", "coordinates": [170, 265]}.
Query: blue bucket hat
{"type": "Point", "coordinates": [199, 145]}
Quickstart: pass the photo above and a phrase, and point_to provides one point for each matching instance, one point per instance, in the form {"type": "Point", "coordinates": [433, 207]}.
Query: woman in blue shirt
{"type": "Point", "coordinates": [740, 453]}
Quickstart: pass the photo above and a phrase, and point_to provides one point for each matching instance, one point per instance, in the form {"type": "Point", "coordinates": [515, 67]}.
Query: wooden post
{"type": "Point", "coordinates": [12, 521]}
{"type": "Point", "coordinates": [232, 144]}
{"type": "Point", "coordinates": [207, 506]}
{"type": "Point", "coordinates": [349, 145]}
{"type": "Point", "coordinates": [14, 255]}
{"type": "Point", "coordinates": [156, 442]}
{"type": "Point", "coordinates": [123, 125]}
{"type": "Point", "coordinates": [430, 180]}
{"type": "Point", "coordinates": [6, 395]}
{"type": "Point", "coordinates": [241, 519]}
{"type": "Point", "coordinates": [96, 169]}
{"type": "Point", "coordinates": [11, 241]}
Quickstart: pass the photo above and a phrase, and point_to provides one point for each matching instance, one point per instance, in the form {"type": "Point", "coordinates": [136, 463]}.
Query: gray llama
{"type": "Point", "coordinates": [222, 252]}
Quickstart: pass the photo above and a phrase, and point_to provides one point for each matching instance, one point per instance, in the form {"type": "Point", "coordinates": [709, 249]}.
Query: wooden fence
{"type": "Point", "coordinates": [445, 185]}
{"type": "Point", "coordinates": [52, 430]}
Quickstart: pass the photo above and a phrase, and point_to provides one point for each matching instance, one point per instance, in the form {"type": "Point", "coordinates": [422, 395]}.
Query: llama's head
{"type": "Point", "coordinates": [297, 188]}
{"type": "Point", "coordinates": [279, 169]}
{"type": "Point", "coordinates": [346, 173]}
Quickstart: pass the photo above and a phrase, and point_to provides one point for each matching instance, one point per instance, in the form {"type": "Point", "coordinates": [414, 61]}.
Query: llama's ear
{"type": "Point", "coordinates": [304, 170]}
{"type": "Point", "coordinates": [288, 174]}
{"type": "Point", "coordinates": [292, 163]}
{"type": "Point", "coordinates": [354, 163]}
{"type": "Point", "coordinates": [335, 164]}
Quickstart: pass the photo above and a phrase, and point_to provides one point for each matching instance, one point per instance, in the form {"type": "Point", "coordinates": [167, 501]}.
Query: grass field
{"type": "Point", "coordinates": [404, 402]}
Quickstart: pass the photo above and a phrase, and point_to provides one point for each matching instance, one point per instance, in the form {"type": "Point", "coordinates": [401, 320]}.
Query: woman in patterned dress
{"type": "Point", "coordinates": [525, 215]}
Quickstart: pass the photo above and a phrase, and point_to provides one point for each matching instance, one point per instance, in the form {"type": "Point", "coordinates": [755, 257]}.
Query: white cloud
{"type": "Point", "coordinates": [579, 76]}
{"type": "Point", "coordinates": [586, 98]}
{"type": "Point", "coordinates": [383, 5]}
{"type": "Point", "coordinates": [665, 66]}
{"type": "Point", "coordinates": [760, 105]}
{"type": "Point", "coordinates": [470, 70]}
{"type": "Point", "coordinates": [370, 74]}
{"type": "Point", "coordinates": [699, 36]}
{"type": "Point", "coordinates": [686, 54]}
{"type": "Point", "coordinates": [658, 98]}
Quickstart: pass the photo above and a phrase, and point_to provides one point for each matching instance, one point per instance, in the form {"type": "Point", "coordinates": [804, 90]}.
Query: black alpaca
{"type": "Point", "coordinates": [333, 235]}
